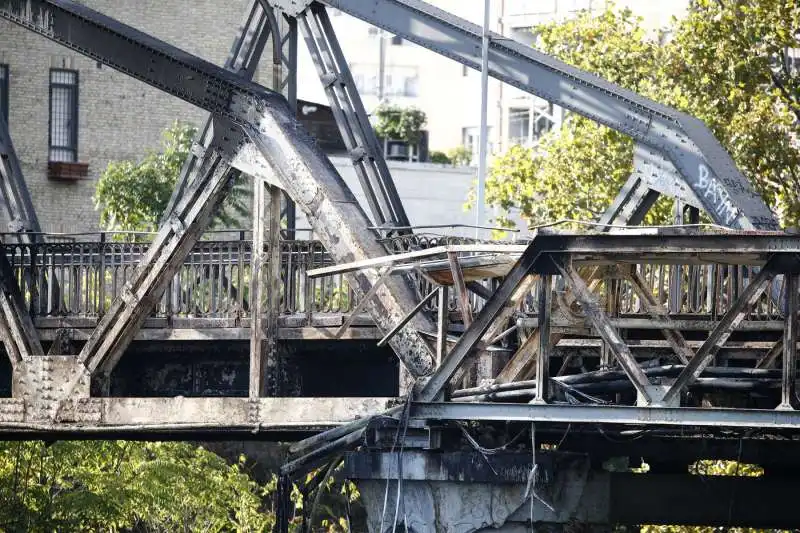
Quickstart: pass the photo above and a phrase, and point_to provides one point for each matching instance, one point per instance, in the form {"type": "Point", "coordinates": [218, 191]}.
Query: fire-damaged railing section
{"type": "Point", "coordinates": [80, 279]}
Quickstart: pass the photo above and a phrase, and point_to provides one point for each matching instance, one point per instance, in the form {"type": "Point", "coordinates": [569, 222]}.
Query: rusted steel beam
{"type": "Point", "coordinates": [464, 348]}
{"type": "Point", "coordinates": [545, 347]}
{"type": "Point", "coordinates": [442, 324]}
{"type": "Point", "coordinates": [790, 337]}
{"type": "Point", "coordinates": [604, 328]}
{"type": "Point", "coordinates": [407, 318]}
{"type": "Point", "coordinates": [17, 330]}
{"type": "Point", "coordinates": [462, 297]}
{"type": "Point", "coordinates": [719, 335]}
{"type": "Point", "coordinates": [656, 310]}
{"type": "Point", "coordinates": [476, 288]}
{"type": "Point", "coordinates": [769, 358]}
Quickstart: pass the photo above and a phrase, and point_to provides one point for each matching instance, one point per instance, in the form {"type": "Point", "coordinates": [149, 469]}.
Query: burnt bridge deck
{"type": "Point", "coordinates": [69, 285]}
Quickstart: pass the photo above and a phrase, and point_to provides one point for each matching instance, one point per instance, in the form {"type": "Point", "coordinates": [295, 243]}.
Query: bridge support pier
{"type": "Point", "coordinates": [466, 492]}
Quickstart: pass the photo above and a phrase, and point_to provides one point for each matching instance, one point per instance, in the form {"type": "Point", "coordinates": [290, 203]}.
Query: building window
{"type": "Point", "coordinates": [4, 91]}
{"type": "Point", "coordinates": [63, 115]}
{"type": "Point", "coordinates": [397, 80]}
{"type": "Point", "coordinates": [471, 139]}
{"type": "Point", "coordinates": [519, 123]}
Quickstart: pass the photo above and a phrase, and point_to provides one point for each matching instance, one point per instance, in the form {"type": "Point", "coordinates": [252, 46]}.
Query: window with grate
{"type": "Point", "coordinates": [4, 91]}
{"type": "Point", "coordinates": [63, 115]}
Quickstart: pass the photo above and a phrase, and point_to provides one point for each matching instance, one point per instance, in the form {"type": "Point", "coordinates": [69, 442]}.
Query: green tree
{"type": "Point", "coordinates": [118, 485]}
{"type": "Point", "coordinates": [401, 123]}
{"type": "Point", "coordinates": [725, 63]}
{"type": "Point", "coordinates": [132, 195]}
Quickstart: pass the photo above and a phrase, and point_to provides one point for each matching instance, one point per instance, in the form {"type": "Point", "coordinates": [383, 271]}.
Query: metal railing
{"type": "Point", "coordinates": [81, 279]}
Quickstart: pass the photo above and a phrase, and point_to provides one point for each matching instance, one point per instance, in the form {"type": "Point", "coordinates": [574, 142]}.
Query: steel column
{"type": "Point", "coordinates": [351, 117]}
{"type": "Point", "coordinates": [258, 280]}
{"type": "Point", "coordinates": [442, 325]}
{"type": "Point", "coordinates": [461, 289]}
{"type": "Point", "coordinates": [543, 357]}
{"type": "Point", "coordinates": [790, 338]}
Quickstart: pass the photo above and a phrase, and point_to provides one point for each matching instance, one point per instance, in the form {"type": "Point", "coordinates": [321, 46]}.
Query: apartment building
{"type": "Point", "coordinates": [450, 93]}
{"type": "Point", "coordinates": [69, 116]}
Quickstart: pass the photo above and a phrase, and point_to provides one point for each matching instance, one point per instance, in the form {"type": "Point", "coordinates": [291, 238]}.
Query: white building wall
{"type": "Point", "coordinates": [432, 195]}
{"type": "Point", "coordinates": [449, 96]}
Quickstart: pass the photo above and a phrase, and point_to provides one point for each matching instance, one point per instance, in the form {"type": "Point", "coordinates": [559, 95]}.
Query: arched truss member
{"type": "Point", "coordinates": [676, 153]}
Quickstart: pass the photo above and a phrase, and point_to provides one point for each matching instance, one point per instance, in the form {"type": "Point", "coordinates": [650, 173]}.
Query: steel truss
{"type": "Point", "coordinates": [252, 126]}
{"type": "Point", "coordinates": [599, 255]}
{"type": "Point", "coordinates": [252, 130]}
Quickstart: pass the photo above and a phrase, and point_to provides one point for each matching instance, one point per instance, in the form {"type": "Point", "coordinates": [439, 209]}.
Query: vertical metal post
{"type": "Point", "coordinates": [461, 289]}
{"type": "Point", "coordinates": [484, 141]}
{"type": "Point", "coordinates": [257, 333]}
{"type": "Point", "coordinates": [287, 83]}
{"type": "Point", "coordinates": [676, 271]}
{"type": "Point", "coordinates": [543, 357]}
{"type": "Point", "coordinates": [264, 371]}
{"type": "Point", "coordinates": [441, 324]}
{"type": "Point", "coordinates": [274, 375]}
{"type": "Point", "coordinates": [790, 338]}
{"type": "Point", "coordinates": [381, 64]}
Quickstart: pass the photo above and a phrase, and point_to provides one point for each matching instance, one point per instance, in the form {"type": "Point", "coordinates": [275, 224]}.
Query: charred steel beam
{"type": "Point", "coordinates": [735, 314]}
{"type": "Point", "coordinates": [281, 145]}
{"type": "Point", "coordinates": [608, 414]}
{"type": "Point", "coordinates": [790, 337]}
{"type": "Point", "coordinates": [466, 344]}
{"type": "Point", "coordinates": [604, 328]}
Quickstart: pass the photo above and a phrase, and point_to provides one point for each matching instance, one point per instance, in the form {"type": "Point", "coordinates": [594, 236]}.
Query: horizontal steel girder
{"type": "Point", "coordinates": [114, 417]}
{"type": "Point", "coordinates": [683, 140]}
{"type": "Point", "coordinates": [304, 171]}
{"type": "Point", "coordinates": [607, 414]}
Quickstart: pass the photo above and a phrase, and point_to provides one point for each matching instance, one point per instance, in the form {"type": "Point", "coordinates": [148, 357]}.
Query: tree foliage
{"type": "Point", "coordinates": [725, 63]}
{"type": "Point", "coordinates": [132, 195]}
{"type": "Point", "coordinates": [117, 485]}
{"type": "Point", "coordinates": [402, 123]}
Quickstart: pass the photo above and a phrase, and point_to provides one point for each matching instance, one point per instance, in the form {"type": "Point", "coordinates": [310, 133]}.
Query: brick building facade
{"type": "Point", "coordinates": [117, 116]}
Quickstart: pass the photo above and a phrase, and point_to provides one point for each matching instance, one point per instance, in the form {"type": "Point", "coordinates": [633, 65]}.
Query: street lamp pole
{"type": "Point", "coordinates": [483, 139]}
